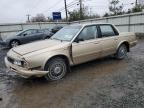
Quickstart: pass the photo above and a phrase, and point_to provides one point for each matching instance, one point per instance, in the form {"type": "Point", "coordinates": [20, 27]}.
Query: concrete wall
{"type": "Point", "coordinates": [11, 29]}
{"type": "Point", "coordinates": [126, 23]}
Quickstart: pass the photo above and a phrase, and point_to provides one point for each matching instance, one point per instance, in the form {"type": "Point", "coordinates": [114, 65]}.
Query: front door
{"type": "Point", "coordinates": [86, 46]}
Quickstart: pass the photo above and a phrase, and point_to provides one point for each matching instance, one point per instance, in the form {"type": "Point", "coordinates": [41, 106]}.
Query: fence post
{"type": "Point", "coordinates": [106, 20]}
{"type": "Point", "coordinates": [22, 27]}
{"type": "Point", "coordinates": [91, 21]}
{"type": "Point", "coordinates": [39, 25]}
{"type": "Point", "coordinates": [129, 23]}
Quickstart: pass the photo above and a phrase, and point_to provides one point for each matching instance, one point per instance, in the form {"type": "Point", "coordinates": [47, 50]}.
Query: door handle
{"type": "Point", "coordinates": [116, 39]}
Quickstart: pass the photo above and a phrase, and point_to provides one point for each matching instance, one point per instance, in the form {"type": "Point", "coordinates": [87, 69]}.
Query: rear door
{"type": "Point", "coordinates": [88, 47]}
{"type": "Point", "coordinates": [39, 35]}
{"type": "Point", "coordinates": [35, 35]}
{"type": "Point", "coordinates": [109, 37]}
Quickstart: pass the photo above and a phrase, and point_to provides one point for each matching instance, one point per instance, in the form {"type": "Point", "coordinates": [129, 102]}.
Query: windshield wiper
{"type": "Point", "coordinates": [57, 39]}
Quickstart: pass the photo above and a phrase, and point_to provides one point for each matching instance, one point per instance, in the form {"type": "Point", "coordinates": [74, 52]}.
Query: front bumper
{"type": "Point", "coordinates": [24, 72]}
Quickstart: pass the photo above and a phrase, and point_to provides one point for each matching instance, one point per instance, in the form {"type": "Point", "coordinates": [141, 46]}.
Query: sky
{"type": "Point", "coordinates": [15, 11]}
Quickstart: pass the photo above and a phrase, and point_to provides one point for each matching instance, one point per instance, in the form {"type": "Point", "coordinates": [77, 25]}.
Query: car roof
{"type": "Point", "coordinates": [30, 29]}
{"type": "Point", "coordinates": [89, 24]}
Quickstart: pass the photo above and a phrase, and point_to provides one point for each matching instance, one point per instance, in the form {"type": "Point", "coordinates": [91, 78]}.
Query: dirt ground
{"type": "Point", "coordinates": [103, 83]}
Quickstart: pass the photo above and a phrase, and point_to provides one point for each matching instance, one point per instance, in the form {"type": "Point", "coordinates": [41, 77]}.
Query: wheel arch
{"type": "Point", "coordinates": [125, 43]}
{"type": "Point", "coordinates": [58, 56]}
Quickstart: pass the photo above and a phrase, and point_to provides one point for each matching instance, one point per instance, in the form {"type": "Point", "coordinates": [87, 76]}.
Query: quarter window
{"type": "Point", "coordinates": [88, 33]}
{"type": "Point", "coordinates": [107, 31]}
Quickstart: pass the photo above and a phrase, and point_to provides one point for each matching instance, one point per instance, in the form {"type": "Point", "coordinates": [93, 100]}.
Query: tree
{"type": "Point", "coordinates": [138, 8]}
{"type": "Point", "coordinates": [39, 18]}
{"type": "Point", "coordinates": [75, 15]}
{"type": "Point", "coordinates": [106, 15]}
{"type": "Point", "coordinates": [115, 7]}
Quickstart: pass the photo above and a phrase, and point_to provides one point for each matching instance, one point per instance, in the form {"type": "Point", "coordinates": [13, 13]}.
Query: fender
{"type": "Point", "coordinates": [122, 43]}
{"type": "Point", "coordinates": [58, 54]}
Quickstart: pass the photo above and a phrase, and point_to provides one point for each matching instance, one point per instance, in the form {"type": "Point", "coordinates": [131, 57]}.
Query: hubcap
{"type": "Point", "coordinates": [14, 44]}
{"type": "Point", "coordinates": [122, 52]}
{"type": "Point", "coordinates": [57, 70]}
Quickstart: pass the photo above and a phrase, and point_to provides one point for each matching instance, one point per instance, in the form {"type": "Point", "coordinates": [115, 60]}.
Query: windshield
{"type": "Point", "coordinates": [19, 33]}
{"type": "Point", "coordinates": [23, 32]}
{"type": "Point", "coordinates": [67, 33]}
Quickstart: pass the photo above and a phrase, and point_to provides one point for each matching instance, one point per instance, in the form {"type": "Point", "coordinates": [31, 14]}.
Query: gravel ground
{"type": "Point", "coordinates": [103, 83]}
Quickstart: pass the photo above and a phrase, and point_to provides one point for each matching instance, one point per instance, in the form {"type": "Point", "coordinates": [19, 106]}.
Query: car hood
{"type": "Point", "coordinates": [40, 45]}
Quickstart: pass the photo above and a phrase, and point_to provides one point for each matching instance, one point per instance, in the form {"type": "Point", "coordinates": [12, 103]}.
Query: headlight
{"type": "Point", "coordinates": [20, 63]}
{"type": "Point", "coordinates": [17, 62]}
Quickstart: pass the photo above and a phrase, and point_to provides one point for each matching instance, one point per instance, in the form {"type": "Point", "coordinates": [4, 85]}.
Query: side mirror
{"type": "Point", "coordinates": [24, 34]}
{"type": "Point", "coordinates": [78, 40]}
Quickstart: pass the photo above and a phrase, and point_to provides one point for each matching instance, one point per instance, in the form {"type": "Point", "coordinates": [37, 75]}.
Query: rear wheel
{"type": "Point", "coordinates": [121, 52]}
{"type": "Point", "coordinates": [14, 43]}
{"type": "Point", "coordinates": [57, 69]}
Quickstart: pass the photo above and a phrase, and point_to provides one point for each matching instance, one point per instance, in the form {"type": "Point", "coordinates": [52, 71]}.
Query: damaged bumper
{"type": "Point", "coordinates": [24, 72]}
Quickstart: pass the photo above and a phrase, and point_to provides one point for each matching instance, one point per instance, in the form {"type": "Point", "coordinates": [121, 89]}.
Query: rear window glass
{"type": "Point", "coordinates": [107, 31]}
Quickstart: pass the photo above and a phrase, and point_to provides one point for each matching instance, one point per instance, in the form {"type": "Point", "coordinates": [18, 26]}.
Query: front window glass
{"type": "Point", "coordinates": [29, 32]}
{"type": "Point", "coordinates": [67, 33]}
{"type": "Point", "coordinates": [88, 33]}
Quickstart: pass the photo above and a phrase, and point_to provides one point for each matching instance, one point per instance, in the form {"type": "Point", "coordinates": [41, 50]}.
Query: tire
{"type": "Point", "coordinates": [57, 69]}
{"type": "Point", "coordinates": [47, 37]}
{"type": "Point", "coordinates": [121, 52]}
{"type": "Point", "coordinates": [14, 43]}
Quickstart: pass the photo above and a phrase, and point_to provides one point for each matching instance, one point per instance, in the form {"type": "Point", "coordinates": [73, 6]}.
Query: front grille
{"type": "Point", "coordinates": [10, 60]}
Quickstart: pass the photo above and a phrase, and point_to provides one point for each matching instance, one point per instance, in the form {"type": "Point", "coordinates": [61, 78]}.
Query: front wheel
{"type": "Point", "coordinates": [47, 37]}
{"type": "Point", "coordinates": [57, 69]}
{"type": "Point", "coordinates": [121, 52]}
{"type": "Point", "coordinates": [14, 43]}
